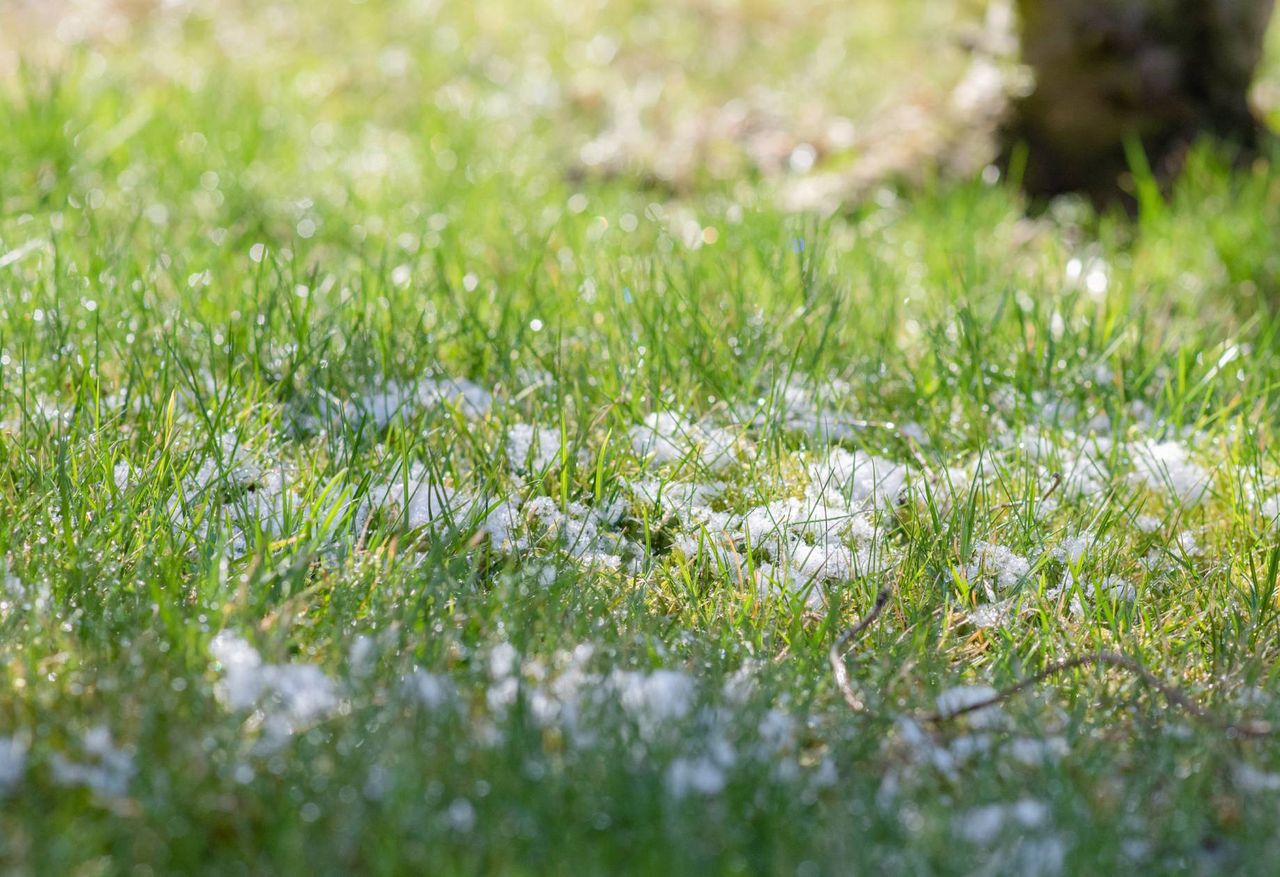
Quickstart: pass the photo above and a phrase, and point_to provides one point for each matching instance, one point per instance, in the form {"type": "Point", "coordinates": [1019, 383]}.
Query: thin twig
{"type": "Point", "coordinates": [836, 655]}
{"type": "Point", "coordinates": [1175, 696]}
{"type": "Point", "coordinates": [1053, 487]}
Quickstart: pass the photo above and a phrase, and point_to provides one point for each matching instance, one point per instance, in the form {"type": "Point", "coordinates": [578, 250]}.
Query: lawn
{"type": "Point", "coordinates": [427, 447]}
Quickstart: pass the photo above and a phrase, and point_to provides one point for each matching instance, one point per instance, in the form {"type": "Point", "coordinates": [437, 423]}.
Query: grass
{"type": "Point", "coordinates": [383, 495]}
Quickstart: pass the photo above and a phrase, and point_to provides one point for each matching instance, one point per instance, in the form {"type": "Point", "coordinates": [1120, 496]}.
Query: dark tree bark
{"type": "Point", "coordinates": [1156, 72]}
{"type": "Point", "coordinates": [1105, 75]}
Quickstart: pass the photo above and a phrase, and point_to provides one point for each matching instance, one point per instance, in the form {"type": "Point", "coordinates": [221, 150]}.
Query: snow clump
{"type": "Point", "coordinates": [290, 696]}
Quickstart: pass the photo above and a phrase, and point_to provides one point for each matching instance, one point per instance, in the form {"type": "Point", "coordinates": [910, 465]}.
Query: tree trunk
{"type": "Point", "coordinates": [1109, 72]}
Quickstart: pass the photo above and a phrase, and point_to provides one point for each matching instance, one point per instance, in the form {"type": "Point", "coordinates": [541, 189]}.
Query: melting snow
{"type": "Point", "coordinates": [653, 698]}
{"type": "Point", "coordinates": [1251, 779]}
{"type": "Point", "coordinates": [991, 561]}
{"type": "Point", "coordinates": [702, 775]}
{"type": "Point", "coordinates": [534, 448]}
{"type": "Point", "coordinates": [106, 771]}
{"type": "Point", "coordinates": [13, 762]}
{"type": "Point", "coordinates": [419, 497]}
{"type": "Point", "coordinates": [983, 825]}
{"type": "Point", "coordinates": [1168, 467]}
{"type": "Point", "coordinates": [859, 479]}
{"type": "Point", "coordinates": [403, 400]}
{"type": "Point", "coordinates": [670, 438]}
{"type": "Point", "coordinates": [290, 696]}
{"type": "Point", "coordinates": [953, 701]}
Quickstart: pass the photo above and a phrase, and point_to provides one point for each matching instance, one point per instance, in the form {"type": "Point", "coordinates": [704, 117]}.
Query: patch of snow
{"type": "Point", "coordinates": [434, 690]}
{"type": "Point", "coordinates": [996, 614]}
{"type": "Point", "coordinates": [13, 762]}
{"type": "Point", "coordinates": [585, 533]}
{"type": "Point", "coordinates": [419, 497]}
{"type": "Point", "coordinates": [397, 400]}
{"type": "Point", "coordinates": [983, 825]}
{"type": "Point", "coordinates": [1269, 508]}
{"type": "Point", "coordinates": [1116, 588]}
{"type": "Point", "coordinates": [107, 771]}
{"type": "Point", "coordinates": [1250, 779]}
{"type": "Point", "coordinates": [1148, 523]}
{"type": "Point", "coordinates": [655, 697]}
{"type": "Point", "coordinates": [786, 581]}
{"type": "Point", "coordinates": [861, 480]}
{"type": "Point", "coordinates": [701, 775]}
{"type": "Point", "coordinates": [1035, 751]}
{"type": "Point", "coordinates": [957, 700]}
{"type": "Point", "coordinates": [290, 696]}
{"type": "Point", "coordinates": [1168, 467]}
{"type": "Point", "coordinates": [665, 438]}
{"type": "Point", "coordinates": [1073, 549]}
{"type": "Point", "coordinates": [533, 448]}
{"type": "Point", "coordinates": [991, 561]}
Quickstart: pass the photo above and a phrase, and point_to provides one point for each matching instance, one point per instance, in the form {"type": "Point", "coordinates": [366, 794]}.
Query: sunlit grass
{"type": "Point", "coordinates": [380, 493]}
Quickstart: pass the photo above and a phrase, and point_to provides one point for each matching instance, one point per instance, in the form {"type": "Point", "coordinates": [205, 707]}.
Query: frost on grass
{"type": "Point", "coordinates": [288, 697]}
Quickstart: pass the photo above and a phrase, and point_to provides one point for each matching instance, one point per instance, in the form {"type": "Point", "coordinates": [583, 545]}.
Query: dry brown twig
{"type": "Point", "coordinates": [1174, 695]}
{"type": "Point", "coordinates": [836, 655]}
